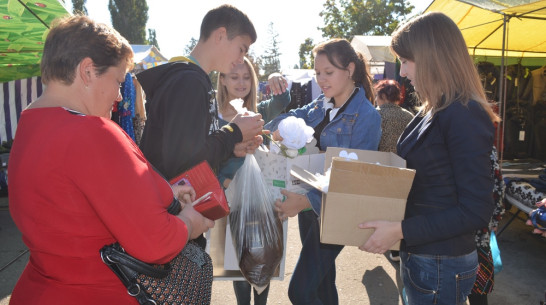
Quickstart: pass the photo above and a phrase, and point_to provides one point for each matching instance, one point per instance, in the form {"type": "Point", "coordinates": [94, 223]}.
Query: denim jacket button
{"type": "Point", "coordinates": [339, 130]}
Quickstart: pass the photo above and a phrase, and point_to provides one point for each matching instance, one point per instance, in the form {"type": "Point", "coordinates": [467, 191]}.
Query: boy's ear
{"type": "Point", "coordinates": [219, 34]}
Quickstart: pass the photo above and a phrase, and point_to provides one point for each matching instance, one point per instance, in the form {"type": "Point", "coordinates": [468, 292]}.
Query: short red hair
{"type": "Point", "coordinates": [388, 90]}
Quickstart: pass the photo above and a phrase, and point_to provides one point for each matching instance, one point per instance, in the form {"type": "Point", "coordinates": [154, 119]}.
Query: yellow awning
{"type": "Point", "coordinates": [481, 22]}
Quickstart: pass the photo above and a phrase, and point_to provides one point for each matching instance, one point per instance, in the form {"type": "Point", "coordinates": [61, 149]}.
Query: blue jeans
{"type": "Point", "coordinates": [436, 279]}
{"type": "Point", "coordinates": [314, 278]}
{"type": "Point", "coordinates": [243, 291]}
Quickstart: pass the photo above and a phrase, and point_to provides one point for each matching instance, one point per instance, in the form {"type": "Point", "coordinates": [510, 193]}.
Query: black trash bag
{"type": "Point", "coordinates": [256, 230]}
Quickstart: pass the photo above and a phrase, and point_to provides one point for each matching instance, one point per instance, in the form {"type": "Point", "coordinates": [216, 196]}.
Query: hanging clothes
{"type": "Point", "coordinates": [489, 75]}
{"type": "Point", "coordinates": [539, 85]}
{"type": "Point", "coordinates": [126, 108]}
{"type": "Point", "coordinates": [518, 120]}
{"type": "Point", "coordinates": [140, 112]}
{"type": "Point", "coordinates": [301, 95]}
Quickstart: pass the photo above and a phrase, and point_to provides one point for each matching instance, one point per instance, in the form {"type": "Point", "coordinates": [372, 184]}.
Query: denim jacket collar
{"type": "Point", "coordinates": [353, 106]}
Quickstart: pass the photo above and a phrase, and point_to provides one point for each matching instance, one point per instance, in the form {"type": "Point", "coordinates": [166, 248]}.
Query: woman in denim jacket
{"type": "Point", "coordinates": [448, 143]}
{"type": "Point", "coordinates": [342, 116]}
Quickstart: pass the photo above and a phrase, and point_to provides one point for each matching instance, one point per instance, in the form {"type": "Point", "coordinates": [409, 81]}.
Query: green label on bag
{"type": "Point", "coordinates": [279, 183]}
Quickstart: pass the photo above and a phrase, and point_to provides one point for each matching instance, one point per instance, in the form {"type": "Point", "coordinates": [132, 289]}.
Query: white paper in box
{"type": "Point", "coordinates": [276, 170]}
{"type": "Point", "coordinates": [375, 187]}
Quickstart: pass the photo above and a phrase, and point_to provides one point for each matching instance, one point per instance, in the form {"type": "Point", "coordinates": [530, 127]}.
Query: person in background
{"type": "Point", "coordinates": [408, 99]}
{"type": "Point", "coordinates": [241, 83]}
{"type": "Point", "coordinates": [394, 120]}
{"type": "Point", "coordinates": [535, 230]}
{"type": "Point", "coordinates": [344, 105]}
{"type": "Point", "coordinates": [99, 188]}
{"type": "Point", "coordinates": [448, 143]}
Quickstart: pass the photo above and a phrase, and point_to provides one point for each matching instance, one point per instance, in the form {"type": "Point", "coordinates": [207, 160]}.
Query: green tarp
{"type": "Point", "coordinates": [23, 29]}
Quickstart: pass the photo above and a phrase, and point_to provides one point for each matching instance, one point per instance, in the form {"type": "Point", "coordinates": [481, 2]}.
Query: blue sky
{"type": "Point", "coordinates": [177, 21]}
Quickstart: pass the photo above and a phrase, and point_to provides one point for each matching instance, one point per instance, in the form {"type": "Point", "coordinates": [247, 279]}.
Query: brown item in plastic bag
{"type": "Point", "coordinates": [259, 262]}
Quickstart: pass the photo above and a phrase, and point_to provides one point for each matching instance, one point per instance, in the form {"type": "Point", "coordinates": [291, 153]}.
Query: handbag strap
{"type": "Point", "coordinates": [115, 255]}
{"type": "Point", "coordinates": [175, 207]}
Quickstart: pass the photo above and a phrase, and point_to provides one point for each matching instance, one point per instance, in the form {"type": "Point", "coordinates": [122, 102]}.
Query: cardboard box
{"type": "Point", "coordinates": [373, 187]}
{"type": "Point", "coordinates": [276, 169]}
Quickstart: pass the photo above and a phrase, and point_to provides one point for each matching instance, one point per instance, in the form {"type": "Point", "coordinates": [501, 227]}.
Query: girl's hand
{"type": "Point", "coordinates": [293, 204]}
{"type": "Point", "coordinates": [277, 83]}
{"type": "Point", "coordinates": [276, 135]}
{"type": "Point", "coordinates": [386, 234]}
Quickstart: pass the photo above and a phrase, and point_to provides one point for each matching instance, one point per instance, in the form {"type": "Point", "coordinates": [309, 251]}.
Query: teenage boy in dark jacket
{"type": "Point", "coordinates": [182, 126]}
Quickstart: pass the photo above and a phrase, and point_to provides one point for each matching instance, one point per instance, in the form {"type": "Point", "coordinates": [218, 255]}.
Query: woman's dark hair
{"type": "Point", "coordinates": [388, 90]}
{"type": "Point", "coordinates": [341, 53]}
{"type": "Point", "coordinates": [74, 38]}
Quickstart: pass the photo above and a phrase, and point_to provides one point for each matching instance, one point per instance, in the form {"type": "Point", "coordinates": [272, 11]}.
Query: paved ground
{"type": "Point", "coordinates": [362, 278]}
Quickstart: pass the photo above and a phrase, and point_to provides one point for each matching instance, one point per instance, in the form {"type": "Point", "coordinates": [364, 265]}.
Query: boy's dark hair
{"type": "Point", "coordinates": [236, 23]}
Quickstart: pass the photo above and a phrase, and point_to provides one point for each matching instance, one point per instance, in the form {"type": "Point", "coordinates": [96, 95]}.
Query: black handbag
{"type": "Point", "coordinates": [187, 279]}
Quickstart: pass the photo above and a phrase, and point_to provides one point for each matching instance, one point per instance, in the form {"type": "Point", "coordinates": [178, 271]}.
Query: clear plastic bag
{"type": "Point", "coordinates": [256, 229]}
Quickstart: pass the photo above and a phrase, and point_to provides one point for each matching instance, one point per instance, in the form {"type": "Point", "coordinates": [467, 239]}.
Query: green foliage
{"type": "Point", "coordinates": [306, 54]}
{"type": "Point", "coordinates": [347, 18]}
{"type": "Point", "coordinates": [129, 18]}
{"type": "Point", "coordinates": [78, 7]}
{"type": "Point", "coordinates": [270, 61]}
{"type": "Point", "coordinates": [256, 63]}
{"type": "Point", "coordinates": [189, 47]}
{"type": "Point", "coordinates": [213, 75]}
{"type": "Point", "coordinates": [152, 38]}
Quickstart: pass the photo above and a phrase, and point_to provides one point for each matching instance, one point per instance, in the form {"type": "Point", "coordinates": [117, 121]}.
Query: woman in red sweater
{"type": "Point", "coordinates": [78, 182]}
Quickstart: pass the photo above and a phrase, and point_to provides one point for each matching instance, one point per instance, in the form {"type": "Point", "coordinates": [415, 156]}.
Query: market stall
{"type": "Point", "coordinates": [509, 35]}
{"type": "Point", "coordinates": [147, 56]}
{"type": "Point", "coordinates": [376, 49]}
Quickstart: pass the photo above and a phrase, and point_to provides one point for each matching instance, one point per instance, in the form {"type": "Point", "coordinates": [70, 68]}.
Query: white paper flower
{"type": "Point", "coordinates": [238, 105]}
{"type": "Point", "coordinates": [295, 132]}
